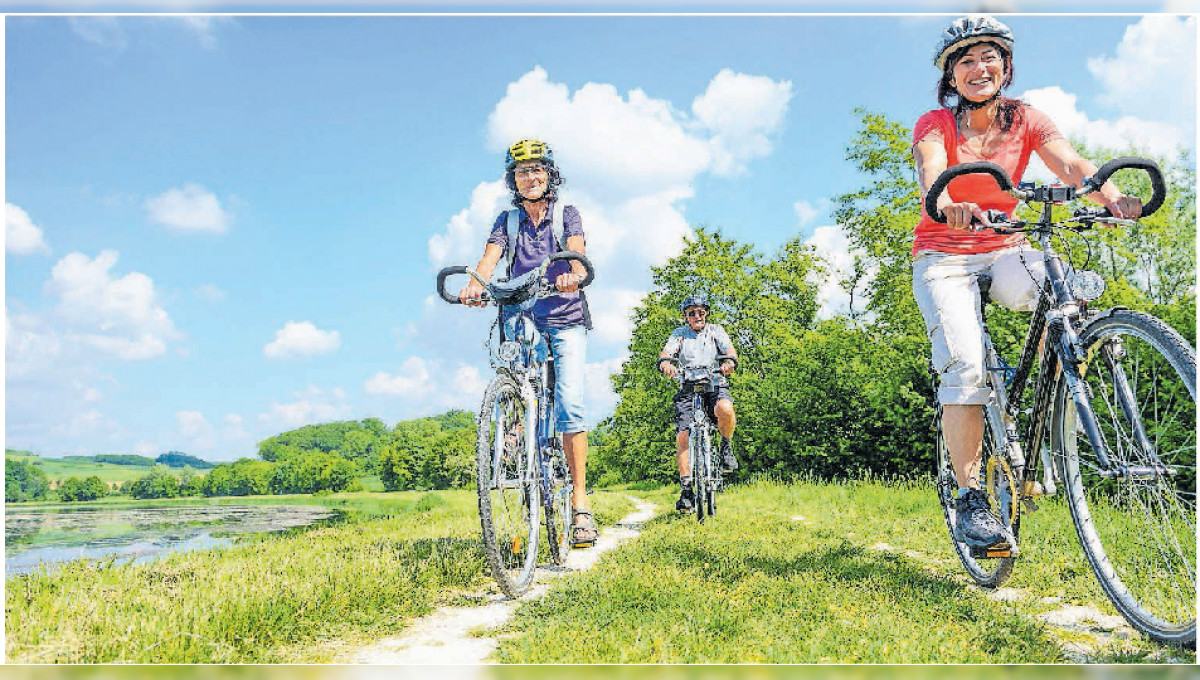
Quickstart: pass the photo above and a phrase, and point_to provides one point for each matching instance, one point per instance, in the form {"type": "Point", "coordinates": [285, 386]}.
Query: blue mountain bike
{"type": "Point", "coordinates": [521, 470]}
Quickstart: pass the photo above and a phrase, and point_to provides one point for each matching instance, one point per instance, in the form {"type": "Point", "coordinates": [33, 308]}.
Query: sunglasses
{"type": "Point", "coordinates": [530, 171]}
{"type": "Point", "coordinates": [696, 313]}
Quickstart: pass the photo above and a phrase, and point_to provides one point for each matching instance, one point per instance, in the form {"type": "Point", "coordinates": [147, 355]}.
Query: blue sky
{"type": "Point", "coordinates": [221, 228]}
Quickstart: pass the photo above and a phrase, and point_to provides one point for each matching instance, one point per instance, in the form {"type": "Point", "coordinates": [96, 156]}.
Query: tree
{"type": "Point", "coordinates": [314, 471]}
{"type": "Point", "coordinates": [24, 481]}
{"type": "Point", "coordinates": [430, 453]}
{"type": "Point", "coordinates": [76, 489]}
{"type": "Point", "coordinates": [160, 483]}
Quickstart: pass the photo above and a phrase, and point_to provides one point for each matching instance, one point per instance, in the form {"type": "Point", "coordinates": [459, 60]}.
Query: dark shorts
{"type": "Point", "coordinates": [683, 406]}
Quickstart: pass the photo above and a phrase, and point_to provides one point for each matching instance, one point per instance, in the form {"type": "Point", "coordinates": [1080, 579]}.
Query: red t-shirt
{"type": "Point", "coordinates": [1029, 132]}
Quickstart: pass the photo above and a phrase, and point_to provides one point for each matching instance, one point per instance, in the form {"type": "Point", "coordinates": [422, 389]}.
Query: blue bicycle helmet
{"type": "Point", "coordinates": [694, 300]}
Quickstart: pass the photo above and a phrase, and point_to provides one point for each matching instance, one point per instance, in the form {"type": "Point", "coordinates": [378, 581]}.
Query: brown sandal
{"type": "Point", "coordinates": [584, 533]}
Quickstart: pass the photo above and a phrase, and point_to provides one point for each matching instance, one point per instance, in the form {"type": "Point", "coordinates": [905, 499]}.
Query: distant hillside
{"type": "Point", "coordinates": [114, 459]}
{"type": "Point", "coordinates": [58, 469]}
{"type": "Point", "coordinates": [178, 459]}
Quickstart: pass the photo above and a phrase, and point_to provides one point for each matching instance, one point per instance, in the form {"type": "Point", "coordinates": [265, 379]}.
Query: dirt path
{"type": "Point", "coordinates": [449, 635]}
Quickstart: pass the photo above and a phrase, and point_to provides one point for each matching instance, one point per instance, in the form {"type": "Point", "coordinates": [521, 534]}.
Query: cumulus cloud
{"type": "Point", "coordinates": [833, 299]}
{"type": "Point", "coordinates": [21, 235]}
{"type": "Point", "coordinates": [413, 380]}
{"type": "Point", "coordinates": [1147, 135]}
{"type": "Point", "coordinates": [807, 211]}
{"type": "Point", "coordinates": [1152, 74]}
{"type": "Point", "coordinates": [119, 317]}
{"type": "Point", "coordinates": [301, 338]}
{"type": "Point", "coordinates": [103, 31]}
{"type": "Point", "coordinates": [742, 112]}
{"type": "Point", "coordinates": [194, 430]}
{"type": "Point", "coordinates": [309, 407]}
{"type": "Point", "coordinates": [188, 208]}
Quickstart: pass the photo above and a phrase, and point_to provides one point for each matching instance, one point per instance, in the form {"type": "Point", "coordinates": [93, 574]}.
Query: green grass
{"type": "Point", "coordinates": [57, 469]}
{"type": "Point", "coordinates": [298, 596]}
{"type": "Point", "coordinates": [857, 572]}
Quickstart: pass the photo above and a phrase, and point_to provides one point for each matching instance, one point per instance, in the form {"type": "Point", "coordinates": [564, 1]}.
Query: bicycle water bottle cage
{"type": "Point", "coordinates": [518, 290]}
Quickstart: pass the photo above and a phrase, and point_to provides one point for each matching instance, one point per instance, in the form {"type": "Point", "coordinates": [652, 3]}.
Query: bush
{"type": "Point", "coordinates": [75, 489]}
{"type": "Point", "coordinates": [24, 481]}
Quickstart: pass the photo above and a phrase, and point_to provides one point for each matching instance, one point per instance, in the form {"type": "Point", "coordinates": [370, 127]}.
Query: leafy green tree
{"type": "Point", "coordinates": [76, 489]}
{"type": "Point", "coordinates": [314, 471]}
{"type": "Point", "coordinates": [178, 459]}
{"type": "Point", "coordinates": [430, 453]}
{"type": "Point", "coordinates": [160, 483]}
{"type": "Point", "coordinates": [24, 481]}
{"type": "Point", "coordinates": [191, 483]}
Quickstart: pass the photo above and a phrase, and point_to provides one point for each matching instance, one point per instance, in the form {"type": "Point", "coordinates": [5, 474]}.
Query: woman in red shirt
{"type": "Point", "coordinates": [978, 123]}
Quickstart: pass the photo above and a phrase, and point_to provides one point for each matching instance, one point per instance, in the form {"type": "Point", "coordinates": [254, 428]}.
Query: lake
{"type": "Point", "coordinates": [51, 536]}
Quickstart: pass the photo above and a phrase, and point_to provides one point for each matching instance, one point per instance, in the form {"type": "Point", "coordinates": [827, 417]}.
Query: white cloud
{"type": "Point", "coordinates": [209, 293]}
{"type": "Point", "coordinates": [204, 28]}
{"type": "Point", "coordinates": [413, 380]}
{"type": "Point", "coordinates": [21, 235]}
{"type": "Point", "coordinates": [835, 249]}
{"type": "Point", "coordinates": [301, 338]}
{"type": "Point", "coordinates": [1150, 136]}
{"type": "Point", "coordinates": [743, 112]}
{"type": "Point", "coordinates": [312, 406]}
{"type": "Point", "coordinates": [807, 211]}
{"type": "Point", "coordinates": [1152, 74]}
{"type": "Point", "coordinates": [194, 431]}
{"type": "Point", "coordinates": [103, 31]}
{"type": "Point", "coordinates": [189, 208]}
{"type": "Point", "coordinates": [119, 317]}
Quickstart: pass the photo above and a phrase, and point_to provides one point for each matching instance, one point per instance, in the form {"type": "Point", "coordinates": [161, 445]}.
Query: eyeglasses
{"type": "Point", "coordinates": [696, 313]}
{"type": "Point", "coordinates": [530, 171]}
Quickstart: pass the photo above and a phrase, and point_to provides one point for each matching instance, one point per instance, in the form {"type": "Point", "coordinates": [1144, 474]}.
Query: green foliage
{"type": "Point", "coordinates": [246, 477]}
{"type": "Point", "coordinates": [359, 442]}
{"type": "Point", "coordinates": [114, 459]}
{"type": "Point", "coordinates": [191, 483]}
{"type": "Point", "coordinates": [160, 483]}
{"type": "Point", "coordinates": [178, 459]}
{"type": "Point", "coordinates": [76, 489]}
{"type": "Point", "coordinates": [430, 453]}
{"type": "Point", "coordinates": [23, 481]}
{"type": "Point", "coordinates": [313, 471]}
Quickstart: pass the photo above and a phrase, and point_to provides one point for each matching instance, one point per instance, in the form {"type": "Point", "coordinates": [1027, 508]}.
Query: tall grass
{"type": "Point", "coordinates": [297, 596]}
{"type": "Point", "coordinates": [814, 572]}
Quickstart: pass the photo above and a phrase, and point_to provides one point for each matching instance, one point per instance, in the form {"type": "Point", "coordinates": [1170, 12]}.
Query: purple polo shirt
{"type": "Point", "coordinates": [534, 245]}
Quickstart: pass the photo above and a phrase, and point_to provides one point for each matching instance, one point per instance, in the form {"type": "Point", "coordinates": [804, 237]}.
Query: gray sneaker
{"type": "Point", "coordinates": [728, 462]}
{"type": "Point", "coordinates": [976, 525]}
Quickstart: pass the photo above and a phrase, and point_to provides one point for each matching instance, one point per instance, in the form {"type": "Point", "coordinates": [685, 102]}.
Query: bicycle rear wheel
{"type": "Point", "coordinates": [987, 572]}
{"type": "Point", "coordinates": [558, 512]}
{"type": "Point", "coordinates": [507, 485]}
{"type": "Point", "coordinates": [1138, 527]}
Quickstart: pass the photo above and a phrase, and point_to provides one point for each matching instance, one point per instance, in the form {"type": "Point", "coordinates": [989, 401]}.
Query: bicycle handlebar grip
{"type": "Point", "coordinates": [1132, 162]}
{"type": "Point", "coordinates": [582, 259]}
{"type": "Point", "coordinates": [441, 283]}
{"type": "Point", "coordinates": [943, 180]}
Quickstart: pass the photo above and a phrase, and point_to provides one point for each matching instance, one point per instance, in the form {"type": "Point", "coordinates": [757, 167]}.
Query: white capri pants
{"type": "Point", "coordinates": [948, 295]}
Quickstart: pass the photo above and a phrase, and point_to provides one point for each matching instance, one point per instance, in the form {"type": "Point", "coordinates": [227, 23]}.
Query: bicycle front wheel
{"type": "Point", "coordinates": [1136, 516]}
{"type": "Point", "coordinates": [699, 470]}
{"type": "Point", "coordinates": [712, 474]}
{"type": "Point", "coordinates": [986, 572]}
{"type": "Point", "coordinates": [507, 484]}
{"type": "Point", "coordinates": [558, 512]}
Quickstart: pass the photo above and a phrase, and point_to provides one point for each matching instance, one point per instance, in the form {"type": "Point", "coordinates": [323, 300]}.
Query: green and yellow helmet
{"type": "Point", "coordinates": [528, 150]}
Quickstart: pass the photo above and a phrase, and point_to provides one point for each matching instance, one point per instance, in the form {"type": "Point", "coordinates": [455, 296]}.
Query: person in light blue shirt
{"type": "Point", "coordinates": [700, 347]}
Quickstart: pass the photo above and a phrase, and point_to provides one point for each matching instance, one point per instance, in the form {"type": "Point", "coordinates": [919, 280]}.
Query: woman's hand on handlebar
{"type": "Point", "coordinates": [1126, 208]}
{"type": "Point", "coordinates": [472, 294]}
{"type": "Point", "coordinates": [962, 215]}
{"type": "Point", "coordinates": [569, 282]}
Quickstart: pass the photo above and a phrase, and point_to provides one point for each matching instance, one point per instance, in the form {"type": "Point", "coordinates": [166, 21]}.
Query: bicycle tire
{"type": "Point", "coordinates": [506, 480]}
{"type": "Point", "coordinates": [986, 572]}
{"type": "Point", "coordinates": [558, 515]}
{"type": "Point", "coordinates": [1138, 532]}
{"type": "Point", "coordinates": [713, 475]}
{"type": "Point", "coordinates": [699, 474]}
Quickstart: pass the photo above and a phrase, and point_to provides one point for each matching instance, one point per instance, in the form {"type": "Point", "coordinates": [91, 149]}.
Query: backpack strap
{"type": "Point", "coordinates": [559, 228]}
{"type": "Point", "coordinates": [513, 226]}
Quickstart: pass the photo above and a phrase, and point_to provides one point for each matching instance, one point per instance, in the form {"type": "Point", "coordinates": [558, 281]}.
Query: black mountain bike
{"type": "Point", "coordinates": [521, 467]}
{"type": "Point", "coordinates": [706, 470]}
{"type": "Point", "coordinates": [1112, 421]}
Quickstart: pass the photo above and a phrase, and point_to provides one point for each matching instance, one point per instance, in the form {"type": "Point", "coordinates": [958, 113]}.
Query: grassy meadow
{"type": "Point", "coordinates": [298, 596]}
{"type": "Point", "coordinates": [858, 572]}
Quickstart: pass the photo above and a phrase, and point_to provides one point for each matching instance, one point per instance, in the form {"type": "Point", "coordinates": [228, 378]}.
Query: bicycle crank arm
{"type": "Point", "coordinates": [1139, 472]}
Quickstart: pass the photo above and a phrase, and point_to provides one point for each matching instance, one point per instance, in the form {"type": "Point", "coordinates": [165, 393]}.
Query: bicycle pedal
{"type": "Point", "coordinates": [1028, 506]}
{"type": "Point", "coordinates": [994, 552]}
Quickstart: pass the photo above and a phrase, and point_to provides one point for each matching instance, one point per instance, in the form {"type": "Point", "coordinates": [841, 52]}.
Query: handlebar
{"type": "Point", "coordinates": [1044, 194]}
{"type": "Point", "coordinates": [518, 287]}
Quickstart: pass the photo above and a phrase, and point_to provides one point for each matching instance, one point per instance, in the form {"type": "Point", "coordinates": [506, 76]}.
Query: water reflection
{"type": "Point", "coordinates": [51, 536]}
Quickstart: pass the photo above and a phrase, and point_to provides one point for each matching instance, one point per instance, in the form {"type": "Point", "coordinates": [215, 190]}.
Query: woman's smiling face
{"type": "Point", "coordinates": [979, 73]}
